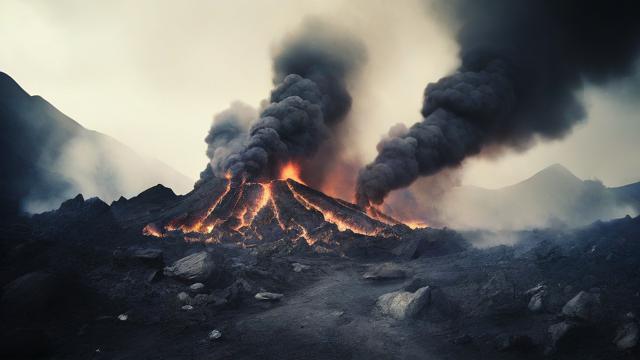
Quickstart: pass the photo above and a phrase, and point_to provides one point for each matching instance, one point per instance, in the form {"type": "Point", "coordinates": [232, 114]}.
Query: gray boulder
{"type": "Point", "coordinates": [627, 336]}
{"type": "Point", "coordinates": [385, 271]}
{"type": "Point", "coordinates": [557, 332]}
{"type": "Point", "coordinates": [268, 296]}
{"type": "Point", "coordinates": [402, 305]}
{"type": "Point", "coordinates": [584, 306]}
{"type": "Point", "coordinates": [195, 267]}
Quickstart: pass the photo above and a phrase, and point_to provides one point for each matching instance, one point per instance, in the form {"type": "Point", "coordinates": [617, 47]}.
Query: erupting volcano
{"type": "Point", "coordinates": [247, 212]}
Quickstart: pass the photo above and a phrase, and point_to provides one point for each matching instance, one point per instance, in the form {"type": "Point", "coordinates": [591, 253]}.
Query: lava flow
{"type": "Point", "coordinates": [228, 209]}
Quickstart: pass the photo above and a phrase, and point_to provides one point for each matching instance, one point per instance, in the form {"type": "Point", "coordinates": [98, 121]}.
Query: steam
{"type": "Point", "coordinates": [522, 63]}
{"type": "Point", "coordinates": [309, 100]}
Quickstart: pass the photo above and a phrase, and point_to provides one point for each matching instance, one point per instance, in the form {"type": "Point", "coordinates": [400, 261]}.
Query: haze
{"type": "Point", "coordinates": [153, 73]}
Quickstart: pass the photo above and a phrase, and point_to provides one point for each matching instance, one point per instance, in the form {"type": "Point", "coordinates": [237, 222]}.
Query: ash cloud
{"type": "Point", "coordinates": [309, 101]}
{"type": "Point", "coordinates": [522, 64]}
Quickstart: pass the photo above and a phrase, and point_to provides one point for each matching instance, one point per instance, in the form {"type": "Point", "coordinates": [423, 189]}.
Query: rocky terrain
{"type": "Point", "coordinates": [85, 282]}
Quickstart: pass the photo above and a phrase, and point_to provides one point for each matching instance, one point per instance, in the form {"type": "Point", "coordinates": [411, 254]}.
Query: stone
{"type": "Point", "coordinates": [201, 299]}
{"type": "Point", "coordinates": [297, 267]}
{"type": "Point", "coordinates": [31, 297]}
{"type": "Point", "coordinates": [559, 331]}
{"type": "Point", "coordinates": [584, 306]}
{"type": "Point", "coordinates": [215, 334]}
{"type": "Point", "coordinates": [627, 336]}
{"type": "Point", "coordinates": [187, 307]}
{"type": "Point", "coordinates": [123, 317]}
{"type": "Point", "coordinates": [536, 303]}
{"type": "Point", "coordinates": [196, 287]}
{"type": "Point", "coordinates": [385, 271]}
{"type": "Point", "coordinates": [195, 267]}
{"type": "Point", "coordinates": [402, 305]}
{"type": "Point", "coordinates": [154, 276]}
{"type": "Point", "coordinates": [268, 296]}
{"type": "Point", "coordinates": [151, 256]}
{"type": "Point", "coordinates": [184, 298]}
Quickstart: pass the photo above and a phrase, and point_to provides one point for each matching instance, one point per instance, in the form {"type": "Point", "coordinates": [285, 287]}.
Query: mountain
{"type": "Point", "coordinates": [48, 157]}
{"type": "Point", "coordinates": [553, 196]}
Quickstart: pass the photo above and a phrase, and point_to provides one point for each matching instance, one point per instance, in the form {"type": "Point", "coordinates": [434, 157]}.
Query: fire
{"type": "Point", "coordinates": [416, 224]}
{"type": "Point", "coordinates": [291, 171]}
{"type": "Point", "coordinates": [152, 230]}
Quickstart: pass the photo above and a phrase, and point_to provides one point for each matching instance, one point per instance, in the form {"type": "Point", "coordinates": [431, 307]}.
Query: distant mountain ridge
{"type": "Point", "coordinates": [48, 157]}
{"type": "Point", "coordinates": [553, 196]}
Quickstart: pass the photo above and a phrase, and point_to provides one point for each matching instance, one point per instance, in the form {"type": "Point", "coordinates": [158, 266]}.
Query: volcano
{"type": "Point", "coordinates": [223, 210]}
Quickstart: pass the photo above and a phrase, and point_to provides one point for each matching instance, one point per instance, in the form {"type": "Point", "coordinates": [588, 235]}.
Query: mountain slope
{"type": "Point", "coordinates": [553, 196]}
{"type": "Point", "coordinates": [48, 157]}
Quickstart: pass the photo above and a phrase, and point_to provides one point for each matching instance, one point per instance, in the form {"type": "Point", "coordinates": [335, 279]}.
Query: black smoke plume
{"type": "Point", "coordinates": [522, 64]}
{"type": "Point", "coordinates": [309, 100]}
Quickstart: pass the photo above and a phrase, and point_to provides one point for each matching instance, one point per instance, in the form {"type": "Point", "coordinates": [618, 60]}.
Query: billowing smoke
{"type": "Point", "coordinates": [309, 100]}
{"type": "Point", "coordinates": [522, 64]}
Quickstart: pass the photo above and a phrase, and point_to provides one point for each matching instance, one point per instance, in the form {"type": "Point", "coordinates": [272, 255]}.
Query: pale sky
{"type": "Point", "coordinates": [153, 73]}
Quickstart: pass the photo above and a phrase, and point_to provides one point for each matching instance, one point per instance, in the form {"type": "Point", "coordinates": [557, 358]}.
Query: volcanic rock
{"type": "Point", "coordinates": [268, 296]}
{"type": "Point", "coordinates": [297, 267]}
{"type": "Point", "coordinates": [402, 305]}
{"type": "Point", "coordinates": [183, 297]}
{"type": "Point", "coordinates": [627, 335]}
{"type": "Point", "coordinates": [559, 331]}
{"type": "Point", "coordinates": [195, 267]}
{"type": "Point", "coordinates": [584, 306]}
{"type": "Point", "coordinates": [196, 287]}
{"type": "Point", "coordinates": [385, 271]}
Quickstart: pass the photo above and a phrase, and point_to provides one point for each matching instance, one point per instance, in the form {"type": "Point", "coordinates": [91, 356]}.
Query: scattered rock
{"type": "Point", "coordinates": [268, 296]}
{"type": "Point", "coordinates": [133, 255]}
{"type": "Point", "coordinates": [154, 276]}
{"type": "Point", "coordinates": [195, 267]}
{"type": "Point", "coordinates": [123, 317]}
{"type": "Point", "coordinates": [297, 267]}
{"type": "Point", "coordinates": [201, 299]}
{"type": "Point", "coordinates": [584, 306]}
{"type": "Point", "coordinates": [187, 307]}
{"type": "Point", "coordinates": [184, 298]}
{"type": "Point", "coordinates": [385, 271]}
{"type": "Point", "coordinates": [627, 335]}
{"type": "Point", "coordinates": [150, 256]}
{"type": "Point", "coordinates": [196, 287]}
{"type": "Point", "coordinates": [215, 334]}
{"type": "Point", "coordinates": [536, 303]}
{"type": "Point", "coordinates": [559, 331]}
{"type": "Point", "coordinates": [403, 304]}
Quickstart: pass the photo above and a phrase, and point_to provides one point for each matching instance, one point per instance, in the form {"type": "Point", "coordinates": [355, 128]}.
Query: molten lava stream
{"type": "Point", "coordinates": [329, 216]}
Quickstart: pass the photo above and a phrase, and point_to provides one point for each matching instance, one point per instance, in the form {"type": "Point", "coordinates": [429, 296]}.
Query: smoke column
{"type": "Point", "coordinates": [309, 100]}
{"type": "Point", "coordinates": [522, 63]}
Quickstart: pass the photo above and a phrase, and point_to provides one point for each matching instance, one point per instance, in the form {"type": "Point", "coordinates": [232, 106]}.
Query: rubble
{"type": "Point", "coordinates": [195, 267]}
{"type": "Point", "coordinates": [385, 271]}
{"type": "Point", "coordinates": [402, 305]}
{"type": "Point", "coordinates": [584, 306]}
{"type": "Point", "coordinates": [559, 331]}
{"type": "Point", "coordinates": [627, 334]}
{"type": "Point", "coordinates": [268, 296]}
{"type": "Point", "coordinates": [297, 267]}
{"type": "Point", "coordinates": [215, 334]}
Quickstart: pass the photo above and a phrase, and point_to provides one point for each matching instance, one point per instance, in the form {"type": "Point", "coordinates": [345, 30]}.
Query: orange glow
{"type": "Point", "coordinates": [416, 224]}
{"type": "Point", "coordinates": [152, 230]}
{"type": "Point", "coordinates": [330, 216]}
{"type": "Point", "coordinates": [291, 171]}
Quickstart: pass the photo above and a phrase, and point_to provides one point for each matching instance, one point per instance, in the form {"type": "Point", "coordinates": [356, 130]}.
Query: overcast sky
{"type": "Point", "coordinates": [153, 73]}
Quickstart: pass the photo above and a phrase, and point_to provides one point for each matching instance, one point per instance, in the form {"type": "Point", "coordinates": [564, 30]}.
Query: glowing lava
{"type": "Point", "coordinates": [291, 171]}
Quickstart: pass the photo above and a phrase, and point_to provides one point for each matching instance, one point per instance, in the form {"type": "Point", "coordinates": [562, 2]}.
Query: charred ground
{"type": "Point", "coordinates": [71, 275]}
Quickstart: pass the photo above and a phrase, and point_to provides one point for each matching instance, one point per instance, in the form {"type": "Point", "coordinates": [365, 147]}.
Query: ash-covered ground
{"type": "Point", "coordinates": [83, 282]}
